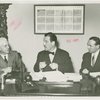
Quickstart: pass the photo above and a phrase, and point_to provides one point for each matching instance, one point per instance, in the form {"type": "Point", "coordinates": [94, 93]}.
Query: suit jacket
{"type": "Point", "coordinates": [86, 63]}
{"type": "Point", "coordinates": [14, 61]}
{"type": "Point", "coordinates": [61, 57]}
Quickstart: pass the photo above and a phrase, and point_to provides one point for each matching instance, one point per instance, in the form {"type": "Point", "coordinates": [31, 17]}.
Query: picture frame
{"type": "Point", "coordinates": [59, 19]}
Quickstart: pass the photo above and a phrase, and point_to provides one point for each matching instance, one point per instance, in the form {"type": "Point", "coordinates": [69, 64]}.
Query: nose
{"type": "Point", "coordinates": [7, 46]}
{"type": "Point", "coordinates": [44, 43]}
{"type": "Point", "coordinates": [88, 47]}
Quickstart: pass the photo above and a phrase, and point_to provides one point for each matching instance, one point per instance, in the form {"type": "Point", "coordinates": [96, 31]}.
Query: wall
{"type": "Point", "coordinates": [20, 19]}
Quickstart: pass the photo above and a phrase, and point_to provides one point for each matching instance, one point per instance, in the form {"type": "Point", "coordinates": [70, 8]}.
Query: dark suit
{"type": "Point", "coordinates": [14, 61]}
{"type": "Point", "coordinates": [86, 63]}
{"type": "Point", "coordinates": [61, 57]}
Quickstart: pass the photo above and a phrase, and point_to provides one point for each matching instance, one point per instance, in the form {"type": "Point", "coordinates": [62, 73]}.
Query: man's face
{"type": "Point", "coordinates": [4, 47]}
{"type": "Point", "coordinates": [92, 47]}
{"type": "Point", "coordinates": [48, 45]}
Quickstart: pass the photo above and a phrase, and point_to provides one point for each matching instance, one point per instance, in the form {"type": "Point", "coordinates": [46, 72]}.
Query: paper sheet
{"type": "Point", "coordinates": [56, 76]}
{"type": "Point", "coordinates": [73, 76]}
{"type": "Point", "coordinates": [51, 76]}
{"type": "Point", "coordinates": [94, 74]}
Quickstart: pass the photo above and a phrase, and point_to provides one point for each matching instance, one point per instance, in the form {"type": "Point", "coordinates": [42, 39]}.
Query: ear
{"type": "Point", "coordinates": [98, 46]}
{"type": "Point", "coordinates": [53, 42]}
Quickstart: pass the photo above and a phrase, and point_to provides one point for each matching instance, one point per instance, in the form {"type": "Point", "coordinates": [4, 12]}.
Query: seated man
{"type": "Point", "coordinates": [91, 59]}
{"type": "Point", "coordinates": [11, 65]}
{"type": "Point", "coordinates": [53, 58]}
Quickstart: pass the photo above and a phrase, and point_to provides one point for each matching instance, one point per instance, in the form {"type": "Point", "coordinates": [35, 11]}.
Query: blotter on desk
{"type": "Point", "coordinates": [56, 76]}
{"type": "Point", "coordinates": [51, 76]}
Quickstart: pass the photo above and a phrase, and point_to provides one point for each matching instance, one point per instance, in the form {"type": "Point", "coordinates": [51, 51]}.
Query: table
{"type": "Point", "coordinates": [41, 88]}
{"type": "Point", "coordinates": [71, 88]}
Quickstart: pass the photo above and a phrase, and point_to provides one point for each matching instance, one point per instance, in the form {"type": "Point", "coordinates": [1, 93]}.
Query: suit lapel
{"type": "Point", "coordinates": [97, 60]}
{"type": "Point", "coordinates": [3, 64]}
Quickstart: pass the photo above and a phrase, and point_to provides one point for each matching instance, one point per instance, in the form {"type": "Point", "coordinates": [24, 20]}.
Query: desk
{"type": "Point", "coordinates": [44, 89]}
{"type": "Point", "coordinates": [70, 88]}
{"type": "Point", "coordinates": [9, 90]}
{"type": "Point", "coordinates": [40, 88]}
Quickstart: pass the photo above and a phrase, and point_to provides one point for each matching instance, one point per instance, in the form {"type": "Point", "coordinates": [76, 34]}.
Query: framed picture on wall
{"type": "Point", "coordinates": [59, 19]}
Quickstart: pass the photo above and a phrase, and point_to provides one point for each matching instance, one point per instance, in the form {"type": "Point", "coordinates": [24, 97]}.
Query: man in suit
{"type": "Point", "coordinates": [91, 59]}
{"type": "Point", "coordinates": [11, 64]}
{"type": "Point", "coordinates": [53, 58]}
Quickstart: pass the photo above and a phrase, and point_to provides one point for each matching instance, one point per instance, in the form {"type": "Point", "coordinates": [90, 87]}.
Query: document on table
{"type": "Point", "coordinates": [73, 76]}
{"type": "Point", "coordinates": [94, 74]}
{"type": "Point", "coordinates": [56, 76]}
{"type": "Point", "coordinates": [51, 76]}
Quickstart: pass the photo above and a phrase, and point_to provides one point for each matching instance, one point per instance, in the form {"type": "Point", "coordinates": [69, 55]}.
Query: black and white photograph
{"type": "Point", "coordinates": [49, 48]}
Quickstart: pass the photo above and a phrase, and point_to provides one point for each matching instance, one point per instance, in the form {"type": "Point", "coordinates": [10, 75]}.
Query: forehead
{"type": "Point", "coordinates": [91, 42]}
{"type": "Point", "coordinates": [3, 41]}
{"type": "Point", "coordinates": [46, 38]}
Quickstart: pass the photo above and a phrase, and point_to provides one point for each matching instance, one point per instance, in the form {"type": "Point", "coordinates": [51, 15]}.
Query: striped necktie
{"type": "Point", "coordinates": [5, 59]}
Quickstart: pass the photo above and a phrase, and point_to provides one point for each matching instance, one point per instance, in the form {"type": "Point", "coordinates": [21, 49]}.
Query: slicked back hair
{"type": "Point", "coordinates": [96, 39]}
{"type": "Point", "coordinates": [52, 38]}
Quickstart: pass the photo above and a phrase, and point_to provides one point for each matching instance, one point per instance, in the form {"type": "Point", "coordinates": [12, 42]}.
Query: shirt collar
{"type": "Point", "coordinates": [4, 56]}
{"type": "Point", "coordinates": [96, 53]}
{"type": "Point", "coordinates": [54, 50]}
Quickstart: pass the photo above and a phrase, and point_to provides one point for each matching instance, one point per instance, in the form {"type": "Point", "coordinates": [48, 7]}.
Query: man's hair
{"type": "Point", "coordinates": [2, 39]}
{"type": "Point", "coordinates": [52, 37]}
{"type": "Point", "coordinates": [96, 39]}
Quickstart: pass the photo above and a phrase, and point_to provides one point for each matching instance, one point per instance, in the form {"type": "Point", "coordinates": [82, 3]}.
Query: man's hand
{"type": "Point", "coordinates": [85, 71]}
{"type": "Point", "coordinates": [54, 66]}
{"type": "Point", "coordinates": [6, 70]}
{"type": "Point", "coordinates": [42, 65]}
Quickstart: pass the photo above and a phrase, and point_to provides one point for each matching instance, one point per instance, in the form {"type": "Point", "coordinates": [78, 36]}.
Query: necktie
{"type": "Point", "coordinates": [5, 59]}
{"type": "Point", "coordinates": [51, 53]}
{"type": "Point", "coordinates": [93, 60]}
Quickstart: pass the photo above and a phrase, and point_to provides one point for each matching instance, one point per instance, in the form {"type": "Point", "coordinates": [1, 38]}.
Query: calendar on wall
{"type": "Point", "coordinates": [59, 19]}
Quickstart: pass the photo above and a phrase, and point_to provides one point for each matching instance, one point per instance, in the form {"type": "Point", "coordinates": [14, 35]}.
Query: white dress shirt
{"type": "Point", "coordinates": [3, 56]}
{"type": "Point", "coordinates": [51, 56]}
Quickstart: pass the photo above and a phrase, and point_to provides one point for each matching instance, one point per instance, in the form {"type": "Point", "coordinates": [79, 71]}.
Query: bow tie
{"type": "Point", "coordinates": [51, 53]}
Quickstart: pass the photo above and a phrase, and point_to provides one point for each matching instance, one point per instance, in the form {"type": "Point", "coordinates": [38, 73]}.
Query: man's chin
{"type": "Point", "coordinates": [90, 51]}
{"type": "Point", "coordinates": [45, 49]}
{"type": "Point", "coordinates": [7, 52]}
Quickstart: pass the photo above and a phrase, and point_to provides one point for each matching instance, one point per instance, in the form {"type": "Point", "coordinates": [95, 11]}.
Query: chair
{"type": "Point", "coordinates": [87, 85]}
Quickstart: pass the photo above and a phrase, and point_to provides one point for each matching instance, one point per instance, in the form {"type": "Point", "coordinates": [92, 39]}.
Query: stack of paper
{"type": "Point", "coordinates": [51, 76]}
{"type": "Point", "coordinates": [36, 76]}
{"type": "Point", "coordinates": [94, 74]}
{"type": "Point", "coordinates": [56, 76]}
{"type": "Point", "coordinates": [73, 77]}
